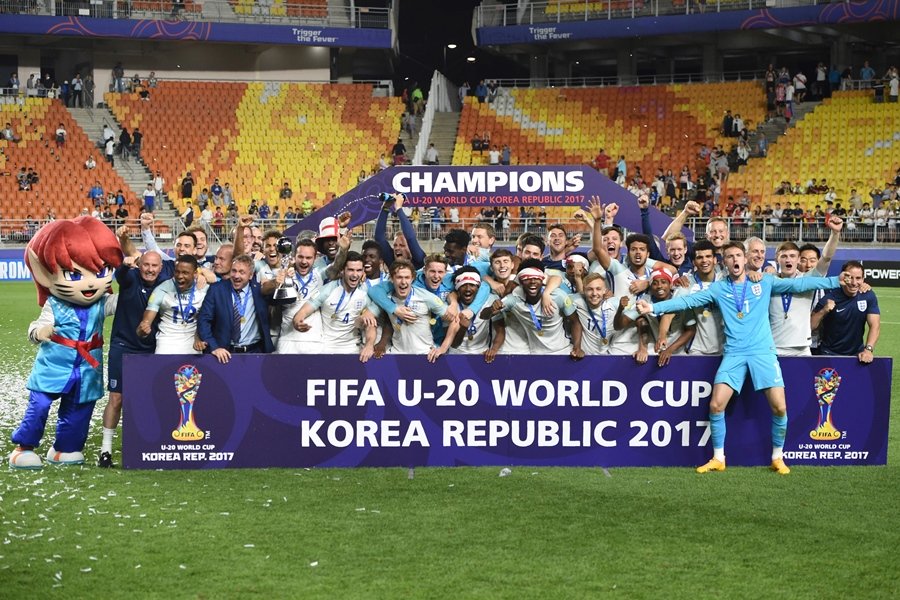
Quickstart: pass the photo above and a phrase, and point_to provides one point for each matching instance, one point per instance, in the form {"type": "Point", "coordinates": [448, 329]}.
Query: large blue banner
{"type": "Point", "coordinates": [561, 185]}
{"type": "Point", "coordinates": [864, 11]}
{"type": "Point", "coordinates": [190, 412]}
{"type": "Point", "coordinates": [245, 33]}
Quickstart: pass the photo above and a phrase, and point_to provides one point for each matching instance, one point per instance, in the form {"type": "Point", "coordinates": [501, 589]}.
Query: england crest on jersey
{"type": "Point", "coordinates": [756, 289]}
{"type": "Point", "coordinates": [862, 305]}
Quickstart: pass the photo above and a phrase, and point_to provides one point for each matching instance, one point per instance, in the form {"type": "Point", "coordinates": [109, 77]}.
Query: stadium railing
{"type": "Point", "coordinates": [208, 10]}
{"type": "Point", "coordinates": [15, 232]}
{"type": "Point", "coordinates": [558, 11]}
{"type": "Point", "coordinates": [657, 79]}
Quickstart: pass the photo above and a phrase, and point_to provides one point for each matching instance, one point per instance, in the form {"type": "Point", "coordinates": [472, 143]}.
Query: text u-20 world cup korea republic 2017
{"type": "Point", "coordinates": [333, 411]}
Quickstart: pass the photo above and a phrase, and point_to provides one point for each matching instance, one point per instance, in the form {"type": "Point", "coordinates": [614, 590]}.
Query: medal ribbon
{"type": "Point", "coordinates": [241, 306]}
{"type": "Point", "coordinates": [337, 308]}
{"type": "Point", "coordinates": [190, 304]}
{"type": "Point", "coordinates": [600, 329]}
{"type": "Point", "coordinates": [739, 304]}
{"type": "Point", "coordinates": [786, 300]}
{"type": "Point", "coordinates": [537, 323]}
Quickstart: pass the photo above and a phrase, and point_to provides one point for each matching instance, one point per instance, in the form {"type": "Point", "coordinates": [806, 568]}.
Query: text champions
{"type": "Point", "coordinates": [487, 182]}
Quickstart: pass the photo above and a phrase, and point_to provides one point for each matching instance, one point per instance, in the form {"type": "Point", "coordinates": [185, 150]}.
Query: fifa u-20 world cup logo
{"type": "Point", "coordinates": [187, 382]}
{"type": "Point", "coordinates": [827, 382]}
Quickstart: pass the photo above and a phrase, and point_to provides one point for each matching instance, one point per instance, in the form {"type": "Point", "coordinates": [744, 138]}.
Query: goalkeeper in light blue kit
{"type": "Point", "coordinates": [748, 345]}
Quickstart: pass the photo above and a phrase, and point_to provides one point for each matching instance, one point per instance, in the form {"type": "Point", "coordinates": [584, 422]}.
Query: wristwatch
{"type": "Point", "coordinates": [869, 348]}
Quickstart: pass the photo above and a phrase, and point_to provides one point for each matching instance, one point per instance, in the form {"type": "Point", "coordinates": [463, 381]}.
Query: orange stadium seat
{"type": "Point", "coordinates": [256, 136]}
{"type": "Point", "coordinates": [653, 126]}
{"type": "Point", "coordinates": [64, 182]}
{"type": "Point", "coordinates": [848, 140]}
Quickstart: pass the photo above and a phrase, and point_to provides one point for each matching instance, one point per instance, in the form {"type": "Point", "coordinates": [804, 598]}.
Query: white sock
{"type": "Point", "coordinates": [777, 454]}
{"type": "Point", "coordinates": [106, 444]}
{"type": "Point", "coordinates": [719, 454]}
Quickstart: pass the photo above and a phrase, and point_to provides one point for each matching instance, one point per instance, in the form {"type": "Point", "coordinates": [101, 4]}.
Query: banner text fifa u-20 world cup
{"type": "Point", "coordinates": [333, 411]}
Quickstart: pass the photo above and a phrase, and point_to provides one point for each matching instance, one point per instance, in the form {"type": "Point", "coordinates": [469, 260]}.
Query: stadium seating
{"type": "Point", "coordinates": [653, 126]}
{"type": "Point", "coordinates": [64, 182]}
{"type": "Point", "coordinates": [304, 9]}
{"type": "Point", "coordinates": [848, 140]}
{"type": "Point", "coordinates": [256, 136]}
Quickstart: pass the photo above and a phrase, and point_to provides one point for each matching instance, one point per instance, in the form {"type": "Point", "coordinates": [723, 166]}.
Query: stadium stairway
{"type": "Point", "coordinates": [443, 135]}
{"type": "Point", "coordinates": [134, 172]}
{"type": "Point", "coordinates": [773, 129]}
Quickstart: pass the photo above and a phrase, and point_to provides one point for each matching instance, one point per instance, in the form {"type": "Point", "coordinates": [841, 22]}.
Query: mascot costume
{"type": "Point", "coordinates": [72, 263]}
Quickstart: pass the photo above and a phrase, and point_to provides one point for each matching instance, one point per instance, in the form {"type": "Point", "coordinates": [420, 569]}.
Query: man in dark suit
{"type": "Point", "coordinates": [234, 316]}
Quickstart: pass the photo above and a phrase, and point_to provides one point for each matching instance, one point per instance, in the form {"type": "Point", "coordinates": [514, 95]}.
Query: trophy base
{"type": "Point", "coordinates": [284, 296]}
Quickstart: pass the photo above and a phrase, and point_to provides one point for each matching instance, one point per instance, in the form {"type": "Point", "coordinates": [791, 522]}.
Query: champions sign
{"type": "Point", "coordinates": [311, 411]}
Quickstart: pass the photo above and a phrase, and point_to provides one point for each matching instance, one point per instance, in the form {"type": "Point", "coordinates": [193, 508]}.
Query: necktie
{"type": "Point", "coordinates": [236, 318]}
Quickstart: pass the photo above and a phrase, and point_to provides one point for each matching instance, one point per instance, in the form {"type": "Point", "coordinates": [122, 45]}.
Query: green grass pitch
{"type": "Point", "coordinates": [447, 533]}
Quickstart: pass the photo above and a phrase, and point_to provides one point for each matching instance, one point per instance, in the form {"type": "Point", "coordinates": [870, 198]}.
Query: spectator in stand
{"type": "Point", "coordinates": [203, 198]}
{"type": "Point", "coordinates": [728, 124]}
{"type": "Point", "coordinates": [61, 136]}
{"type": "Point", "coordinates": [227, 195]}
{"type": "Point", "coordinates": [505, 155]}
{"type": "Point", "coordinates": [187, 186]}
{"type": "Point", "coordinates": [137, 140]}
{"type": "Point", "coordinates": [9, 135]}
{"type": "Point", "coordinates": [481, 92]}
{"type": "Point", "coordinates": [206, 219]}
{"type": "Point", "coordinates": [821, 83]}
{"type": "Point", "coordinates": [799, 87]}
{"type": "Point", "coordinates": [601, 162]}
{"type": "Point", "coordinates": [109, 152]}
{"type": "Point", "coordinates": [431, 155]}
{"type": "Point", "coordinates": [121, 214]}
{"type": "Point", "coordinates": [494, 156]}
{"type": "Point", "coordinates": [362, 176]}
{"type": "Point", "coordinates": [264, 211]}
{"type": "Point", "coordinates": [493, 90]}
{"type": "Point", "coordinates": [399, 153]}
{"type": "Point", "coordinates": [216, 192]}
{"type": "Point", "coordinates": [866, 75]}
{"type": "Point", "coordinates": [477, 144]}
{"type": "Point", "coordinates": [218, 222]}
{"type": "Point", "coordinates": [159, 184]}
{"type": "Point", "coordinates": [149, 197]}
{"type": "Point", "coordinates": [12, 86]}
{"type": "Point", "coordinates": [418, 100]}
{"type": "Point", "coordinates": [286, 192]}
{"type": "Point", "coordinates": [23, 180]}
{"type": "Point", "coordinates": [124, 144]}
{"type": "Point", "coordinates": [737, 126]}
{"type": "Point", "coordinates": [382, 162]}
{"type": "Point", "coordinates": [152, 80]}
{"type": "Point", "coordinates": [847, 79]}
{"type": "Point", "coordinates": [834, 79]}
{"type": "Point", "coordinates": [893, 84]}
{"type": "Point", "coordinates": [90, 164]}
{"type": "Point", "coordinates": [621, 170]}
{"type": "Point", "coordinates": [463, 91]}
{"type": "Point", "coordinates": [96, 193]}
{"type": "Point", "coordinates": [77, 93]}
{"type": "Point", "coordinates": [135, 82]}
{"type": "Point", "coordinates": [118, 78]}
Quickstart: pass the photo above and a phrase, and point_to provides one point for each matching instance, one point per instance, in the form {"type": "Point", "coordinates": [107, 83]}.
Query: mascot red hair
{"type": "Point", "coordinates": [72, 263]}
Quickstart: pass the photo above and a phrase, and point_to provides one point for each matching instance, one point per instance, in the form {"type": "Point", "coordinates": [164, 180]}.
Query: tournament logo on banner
{"type": "Point", "coordinates": [827, 382]}
{"type": "Point", "coordinates": [187, 384]}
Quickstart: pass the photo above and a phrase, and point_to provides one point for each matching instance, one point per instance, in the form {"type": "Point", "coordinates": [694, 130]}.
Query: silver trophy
{"type": "Point", "coordinates": [286, 293]}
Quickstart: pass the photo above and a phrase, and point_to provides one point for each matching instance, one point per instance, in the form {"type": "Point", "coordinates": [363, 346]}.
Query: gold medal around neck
{"type": "Point", "coordinates": [471, 337]}
{"type": "Point", "coordinates": [334, 317]}
{"type": "Point", "coordinates": [540, 333]}
{"type": "Point", "coordinates": [243, 320]}
{"type": "Point", "coordinates": [740, 315]}
{"type": "Point", "coordinates": [706, 312]}
{"type": "Point", "coordinates": [432, 321]}
{"type": "Point", "coordinates": [604, 341]}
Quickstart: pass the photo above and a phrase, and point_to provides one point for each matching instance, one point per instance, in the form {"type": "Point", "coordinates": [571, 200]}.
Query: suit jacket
{"type": "Point", "coordinates": [216, 316]}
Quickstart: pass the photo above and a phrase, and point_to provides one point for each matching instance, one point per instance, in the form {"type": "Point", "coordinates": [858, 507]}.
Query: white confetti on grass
{"type": "Point", "coordinates": [314, 563]}
{"type": "Point", "coordinates": [249, 546]}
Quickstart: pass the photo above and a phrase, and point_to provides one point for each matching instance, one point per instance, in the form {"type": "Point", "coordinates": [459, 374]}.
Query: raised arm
{"type": "Point", "coordinates": [835, 224]}
{"type": "Point", "coordinates": [647, 228]}
{"type": "Point", "coordinates": [691, 209]}
{"type": "Point", "coordinates": [409, 232]}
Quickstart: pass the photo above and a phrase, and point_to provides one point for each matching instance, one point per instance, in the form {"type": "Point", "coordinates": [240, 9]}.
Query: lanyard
{"type": "Point", "coordinates": [369, 283]}
{"type": "Point", "coordinates": [186, 315]}
{"type": "Point", "coordinates": [598, 327]}
{"type": "Point", "coordinates": [786, 300]}
{"type": "Point", "coordinates": [537, 322]}
{"type": "Point", "coordinates": [739, 304]}
{"type": "Point", "coordinates": [699, 283]}
{"type": "Point", "coordinates": [241, 306]}
{"type": "Point", "coordinates": [406, 304]}
{"type": "Point", "coordinates": [303, 284]}
{"type": "Point", "coordinates": [337, 308]}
